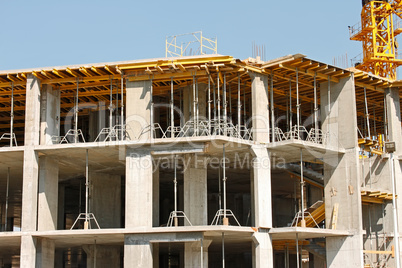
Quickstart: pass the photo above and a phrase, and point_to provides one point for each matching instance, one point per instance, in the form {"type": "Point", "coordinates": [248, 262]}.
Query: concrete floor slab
{"type": "Point", "coordinates": [289, 233]}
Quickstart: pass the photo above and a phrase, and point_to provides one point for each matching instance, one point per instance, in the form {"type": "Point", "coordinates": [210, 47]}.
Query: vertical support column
{"type": "Point", "coordinates": [30, 172]}
{"type": "Point", "coordinates": [155, 197]}
{"type": "Point", "coordinates": [261, 183]}
{"type": "Point", "coordinates": [106, 199]}
{"type": "Point", "coordinates": [260, 117]}
{"type": "Point", "coordinates": [137, 251]}
{"type": "Point", "coordinates": [394, 134]}
{"type": "Point", "coordinates": [195, 190]}
{"type": "Point", "coordinates": [138, 109]}
{"type": "Point", "coordinates": [138, 189]}
{"type": "Point", "coordinates": [48, 193]}
{"type": "Point", "coordinates": [45, 253]}
{"type": "Point", "coordinates": [192, 253]}
{"type": "Point", "coordinates": [342, 173]}
{"type": "Point", "coordinates": [262, 250]}
{"type": "Point", "coordinates": [50, 115]}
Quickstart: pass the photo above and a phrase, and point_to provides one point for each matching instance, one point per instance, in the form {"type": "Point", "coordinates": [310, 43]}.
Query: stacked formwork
{"type": "Point", "coordinates": [199, 161]}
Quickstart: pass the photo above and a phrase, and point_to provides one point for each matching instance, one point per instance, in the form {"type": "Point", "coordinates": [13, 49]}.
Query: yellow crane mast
{"type": "Point", "coordinates": [377, 31]}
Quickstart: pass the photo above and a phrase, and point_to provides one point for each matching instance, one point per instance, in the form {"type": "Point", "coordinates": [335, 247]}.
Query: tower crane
{"type": "Point", "coordinates": [377, 32]}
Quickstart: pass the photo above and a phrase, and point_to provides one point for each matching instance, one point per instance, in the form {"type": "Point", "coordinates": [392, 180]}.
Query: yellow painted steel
{"type": "Point", "coordinates": [377, 33]}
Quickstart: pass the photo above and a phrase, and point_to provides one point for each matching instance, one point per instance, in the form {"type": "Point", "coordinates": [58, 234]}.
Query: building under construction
{"type": "Point", "coordinates": [199, 161]}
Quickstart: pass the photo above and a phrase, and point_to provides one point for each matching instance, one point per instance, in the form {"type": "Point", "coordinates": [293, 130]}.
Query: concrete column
{"type": "Point", "coordinates": [50, 115]}
{"type": "Point", "coordinates": [342, 174]}
{"type": "Point", "coordinates": [60, 207]}
{"type": "Point", "coordinates": [192, 254]}
{"type": "Point", "coordinates": [106, 199]}
{"type": "Point", "coordinates": [30, 169]}
{"type": "Point", "coordinates": [97, 121]}
{"type": "Point", "coordinates": [28, 251]}
{"type": "Point", "coordinates": [138, 189]}
{"type": "Point", "coordinates": [262, 250]}
{"type": "Point", "coordinates": [45, 253]}
{"type": "Point", "coordinates": [259, 98]}
{"type": "Point", "coordinates": [261, 187]}
{"type": "Point", "coordinates": [101, 256]}
{"type": "Point", "coordinates": [195, 189]}
{"type": "Point", "coordinates": [394, 118]}
{"type": "Point", "coordinates": [137, 252]}
{"type": "Point", "coordinates": [138, 109]}
{"type": "Point", "coordinates": [394, 134]}
{"type": "Point", "coordinates": [187, 103]}
{"type": "Point", "coordinates": [155, 255]}
{"type": "Point", "coordinates": [48, 193]}
{"type": "Point", "coordinates": [156, 197]}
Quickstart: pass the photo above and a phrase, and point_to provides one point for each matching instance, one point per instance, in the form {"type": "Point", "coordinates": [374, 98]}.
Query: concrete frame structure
{"type": "Point", "coordinates": [249, 145]}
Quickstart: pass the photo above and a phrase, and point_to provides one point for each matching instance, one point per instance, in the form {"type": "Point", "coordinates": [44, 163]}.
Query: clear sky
{"type": "Point", "coordinates": [52, 33]}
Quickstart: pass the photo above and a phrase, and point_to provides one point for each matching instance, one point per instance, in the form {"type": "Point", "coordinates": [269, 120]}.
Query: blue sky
{"type": "Point", "coordinates": [51, 33]}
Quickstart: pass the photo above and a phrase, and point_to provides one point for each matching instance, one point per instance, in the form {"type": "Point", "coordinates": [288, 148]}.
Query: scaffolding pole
{"type": "Point", "coordinates": [238, 104]}
{"type": "Point", "coordinates": [7, 197]}
{"type": "Point", "coordinates": [111, 105]}
{"type": "Point", "coordinates": [152, 110]}
{"type": "Point", "coordinates": [290, 105]}
{"type": "Point", "coordinates": [223, 250]}
{"type": "Point", "coordinates": [171, 109]}
{"type": "Point", "coordinates": [194, 107]}
{"type": "Point", "coordinates": [272, 108]}
{"type": "Point", "coordinates": [209, 103]}
{"type": "Point", "coordinates": [303, 222]}
{"type": "Point", "coordinates": [224, 105]}
{"type": "Point", "coordinates": [219, 106]}
{"type": "Point", "coordinates": [122, 107]}
{"type": "Point", "coordinates": [298, 101]}
{"type": "Point", "coordinates": [315, 108]}
{"type": "Point", "coordinates": [225, 219]}
{"type": "Point", "coordinates": [12, 116]}
{"type": "Point", "coordinates": [176, 223]}
{"type": "Point", "coordinates": [86, 223]}
{"type": "Point", "coordinates": [76, 114]}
